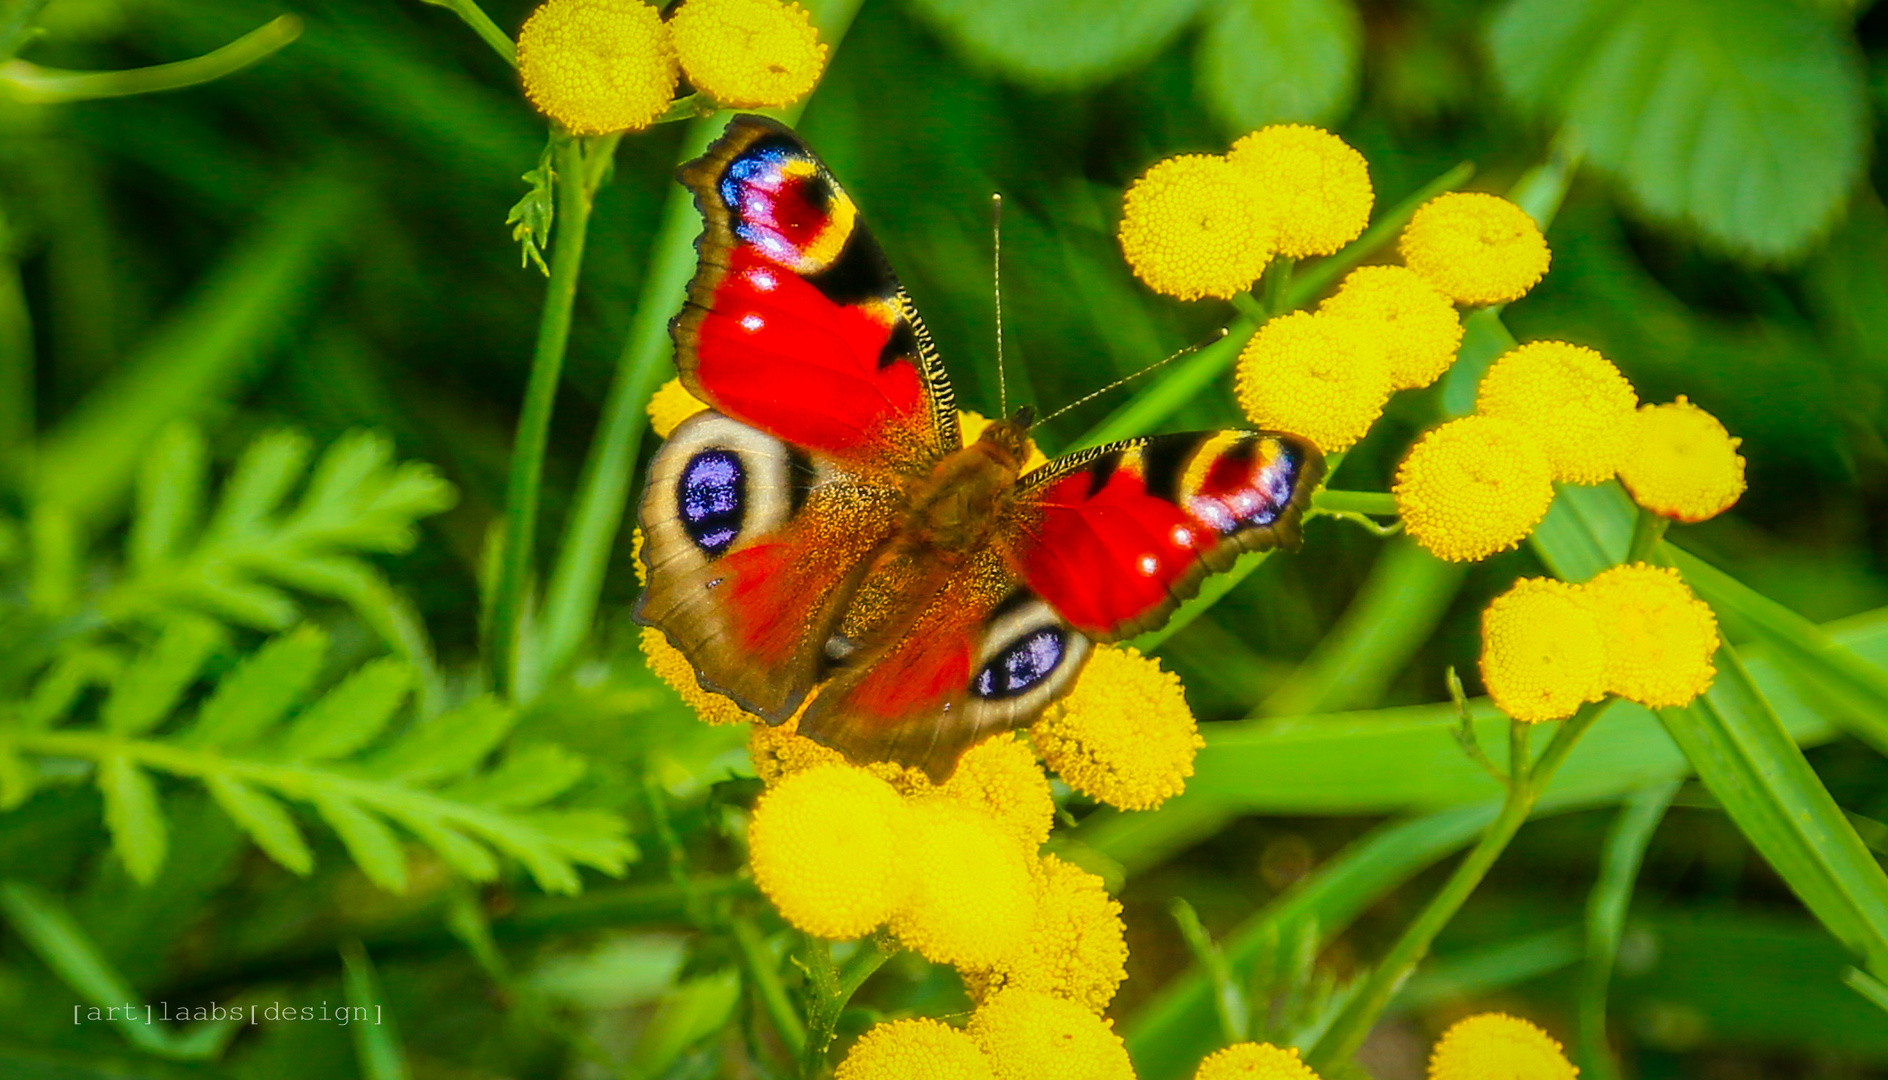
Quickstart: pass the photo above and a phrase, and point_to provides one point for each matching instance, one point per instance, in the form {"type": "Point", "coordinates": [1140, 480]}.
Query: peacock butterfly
{"type": "Point", "coordinates": [824, 525]}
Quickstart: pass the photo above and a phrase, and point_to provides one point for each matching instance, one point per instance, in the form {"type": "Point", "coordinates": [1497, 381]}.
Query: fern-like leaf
{"type": "Point", "coordinates": [261, 544]}
{"type": "Point", "coordinates": [354, 755]}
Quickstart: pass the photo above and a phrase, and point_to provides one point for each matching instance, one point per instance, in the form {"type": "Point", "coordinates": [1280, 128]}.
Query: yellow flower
{"type": "Point", "coordinates": [1320, 376]}
{"type": "Point", "coordinates": [1659, 637]}
{"type": "Point", "coordinates": [1124, 734]}
{"type": "Point", "coordinates": [828, 847]}
{"type": "Point", "coordinates": [1195, 226]}
{"type": "Point", "coordinates": [779, 751]}
{"type": "Point", "coordinates": [1684, 466]}
{"type": "Point", "coordinates": [670, 405]}
{"type": "Point", "coordinates": [1496, 1046]}
{"type": "Point", "coordinates": [748, 54]}
{"type": "Point", "coordinates": [1473, 487]}
{"type": "Point", "coordinates": [1032, 1036]}
{"type": "Point", "coordinates": [597, 66]}
{"type": "Point", "coordinates": [1573, 400]}
{"type": "Point", "coordinates": [1000, 774]}
{"type": "Point", "coordinates": [1316, 186]}
{"type": "Point", "coordinates": [1477, 248]}
{"type": "Point", "coordinates": [635, 556]}
{"type": "Point", "coordinates": [971, 424]}
{"type": "Point", "coordinates": [1254, 1061]}
{"type": "Point", "coordinates": [1417, 326]}
{"type": "Point", "coordinates": [1076, 949]}
{"type": "Point", "coordinates": [917, 1049]}
{"type": "Point", "coordinates": [972, 900]}
{"type": "Point", "coordinates": [1542, 650]}
{"type": "Point", "coordinates": [673, 668]}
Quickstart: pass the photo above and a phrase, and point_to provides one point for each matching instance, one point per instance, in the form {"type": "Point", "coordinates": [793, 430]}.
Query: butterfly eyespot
{"type": "Point", "coordinates": [711, 498]}
{"type": "Point", "coordinates": [1022, 665]}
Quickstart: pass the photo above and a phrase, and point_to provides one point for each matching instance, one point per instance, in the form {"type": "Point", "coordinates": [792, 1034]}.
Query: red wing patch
{"type": "Point", "coordinates": [795, 323]}
{"type": "Point", "coordinates": [1116, 537]}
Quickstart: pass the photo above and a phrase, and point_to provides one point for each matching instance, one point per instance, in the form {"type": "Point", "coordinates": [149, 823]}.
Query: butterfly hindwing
{"type": "Point", "coordinates": [795, 323]}
{"type": "Point", "coordinates": [753, 548]}
{"type": "Point", "coordinates": [1116, 537]}
{"type": "Point", "coordinates": [972, 653]}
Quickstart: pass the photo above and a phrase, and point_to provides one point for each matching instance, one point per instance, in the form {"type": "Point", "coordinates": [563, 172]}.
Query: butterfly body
{"type": "Point", "coordinates": [824, 542]}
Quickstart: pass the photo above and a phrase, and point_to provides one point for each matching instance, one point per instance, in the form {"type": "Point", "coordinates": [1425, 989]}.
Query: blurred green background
{"type": "Point", "coordinates": [1725, 239]}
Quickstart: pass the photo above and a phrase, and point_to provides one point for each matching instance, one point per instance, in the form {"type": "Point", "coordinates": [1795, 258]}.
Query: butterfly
{"type": "Point", "coordinates": [824, 526]}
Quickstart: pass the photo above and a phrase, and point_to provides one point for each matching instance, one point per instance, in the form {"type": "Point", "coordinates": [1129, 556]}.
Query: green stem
{"type": "Point", "coordinates": [603, 491]}
{"type": "Point", "coordinates": [16, 365]}
{"type": "Point", "coordinates": [1324, 273]}
{"type": "Point", "coordinates": [829, 990]}
{"type": "Point", "coordinates": [1606, 919]}
{"type": "Point", "coordinates": [504, 654]}
{"type": "Point", "coordinates": [1379, 503]}
{"type": "Point", "coordinates": [763, 974]}
{"type": "Point", "coordinates": [483, 26]}
{"type": "Point", "coordinates": [37, 85]}
{"type": "Point", "coordinates": [1347, 1032]}
{"type": "Point", "coordinates": [1648, 529]}
{"type": "Point", "coordinates": [1277, 283]}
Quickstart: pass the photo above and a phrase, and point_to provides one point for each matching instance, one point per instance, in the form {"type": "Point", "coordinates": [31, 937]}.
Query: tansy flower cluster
{"type": "Point", "coordinates": [598, 66]}
{"type": "Point", "coordinates": [1635, 631]}
{"type": "Point", "coordinates": [1549, 412]}
{"type": "Point", "coordinates": [1488, 1046]}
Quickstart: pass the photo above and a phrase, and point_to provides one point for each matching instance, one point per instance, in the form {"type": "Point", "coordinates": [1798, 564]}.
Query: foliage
{"type": "Point", "coordinates": [285, 716]}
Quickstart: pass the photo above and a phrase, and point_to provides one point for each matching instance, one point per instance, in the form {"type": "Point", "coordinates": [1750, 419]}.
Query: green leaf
{"type": "Point", "coordinates": [148, 689]}
{"type": "Point", "coordinates": [133, 816]}
{"type": "Point", "coordinates": [261, 689]}
{"type": "Point", "coordinates": [1746, 758]}
{"type": "Point", "coordinates": [266, 821]}
{"type": "Point", "coordinates": [1745, 119]}
{"type": "Point", "coordinates": [1279, 61]}
{"type": "Point", "coordinates": [530, 218]}
{"type": "Point", "coordinates": [448, 745]}
{"type": "Point", "coordinates": [170, 496]}
{"type": "Point", "coordinates": [466, 856]}
{"type": "Point", "coordinates": [352, 714]}
{"type": "Point", "coordinates": [376, 1040]}
{"type": "Point", "coordinates": [370, 843]}
{"type": "Point", "coordinates": [1060, 44]}
{"type": "Point", "coordinates": [528, 777]}
{"type": "Point", "coordinates": [264, 475]}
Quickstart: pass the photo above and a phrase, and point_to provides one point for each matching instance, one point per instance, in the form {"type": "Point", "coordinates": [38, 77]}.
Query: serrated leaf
{"type": "Point", "coordinates": [261, 689]}
{"type": "Point", "coordinates": [246, 603]}
{"type": "Point", "coordinates": [448, 744]}
{"type": "Point", "coordinates": [352, 714]}
{"type": "Point", "coordinates": [268, 469]}
{"type": "Point", "coordinates": [148, 689]}
{"type": "Point", "coordinates": [591, 837]}
{"type": "Point", "coordinates": [1279, 61]}
{"type": "Point", "coordinates": [1746, 119]}
{"type": "Point", "coordinates": [1059, 44]}
{"type": "Point", "coordinates": [70, 675]}
{"type": "Point", "coordinates": [526, 778]}
{"type": "Point", "coordinates": [530, 217]}
{"type": "Point", "coordinates": [369, 842]}
{"type": "Point", "coordinates": [266, 821]}
{"type": "Point", "coordinates": [169, 496]}
{"type": "Point", "coordinates": [465, 855]}
{"type": "Point", "coordinates": [134, 817]}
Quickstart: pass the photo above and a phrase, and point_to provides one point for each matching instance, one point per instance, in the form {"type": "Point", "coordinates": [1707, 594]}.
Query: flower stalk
{"type": "Point", "coordinates": [1526, 783]}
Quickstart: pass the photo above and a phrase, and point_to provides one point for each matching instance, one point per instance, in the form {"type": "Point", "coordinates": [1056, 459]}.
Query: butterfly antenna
{"type": "Point", "coordinates": [996, 229]}
{"type": "Point", "coordinates": [1130, 378]}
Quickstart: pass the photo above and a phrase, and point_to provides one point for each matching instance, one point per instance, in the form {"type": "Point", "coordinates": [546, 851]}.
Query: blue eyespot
{"type": "Point", "coordinates": [1021, 666]}
{"type": "Point", "coordinates": [711, 497]}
